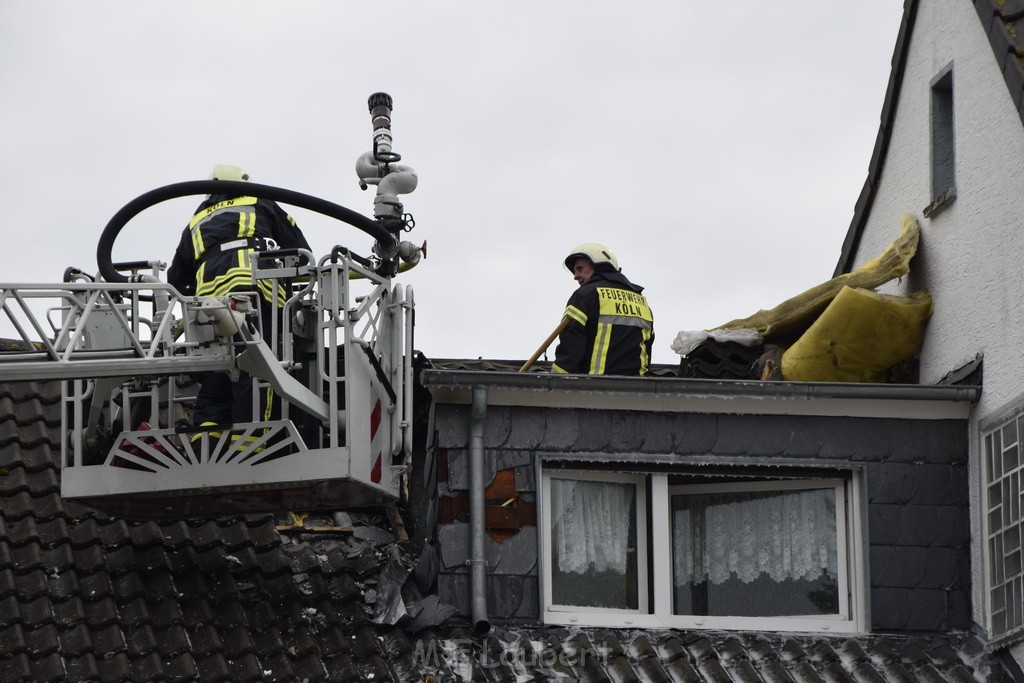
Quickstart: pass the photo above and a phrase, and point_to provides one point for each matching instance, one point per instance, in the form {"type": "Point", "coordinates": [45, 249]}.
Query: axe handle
{"type": "Point", "coordinates": [544, 347]}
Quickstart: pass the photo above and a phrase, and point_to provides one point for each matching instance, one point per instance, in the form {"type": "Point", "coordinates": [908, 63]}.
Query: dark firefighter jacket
{"type": "Point", "coordinates": [610, 330]}
{"type": "Point", "coordinates": [214, 256]}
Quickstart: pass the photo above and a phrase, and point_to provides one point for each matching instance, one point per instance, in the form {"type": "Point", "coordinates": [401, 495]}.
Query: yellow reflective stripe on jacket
{"type": "Point", "coordinates": [602, 341]}
{"type": "Point", "coordinates": [238, 279]}
{"type": "Point", "coordinates": [223, 284]}
{"type": "Point", "coordinates": [244, 206]}
{"type": "Point", "coordinates": [645, 362]}
{"type": "Point", "coordinates": [247, 223]}
{"type": "Point", "coordinates": [269, 404]}
{"type": "Point", "coordinates": [221, 206]}
{"type": "Point", "coordinates": [576, 314]}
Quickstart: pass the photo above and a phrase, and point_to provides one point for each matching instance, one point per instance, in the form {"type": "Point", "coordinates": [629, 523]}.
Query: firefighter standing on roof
{"type": "Point", "coordinates": [215, 257]}
{"type": "Point", "coordinates": [610, 328]}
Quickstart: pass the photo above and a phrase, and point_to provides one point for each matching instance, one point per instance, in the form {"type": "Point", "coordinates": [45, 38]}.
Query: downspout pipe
{"type": "Point", "coordinates": [478, 557]}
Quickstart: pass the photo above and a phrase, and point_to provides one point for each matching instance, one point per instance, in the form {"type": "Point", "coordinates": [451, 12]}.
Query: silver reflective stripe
{"type": "Point", "coordinates": [627, 320]}
{"type": "Point", "coordinates": [234, 244]}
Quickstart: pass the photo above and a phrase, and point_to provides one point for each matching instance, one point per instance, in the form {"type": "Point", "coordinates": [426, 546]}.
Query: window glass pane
{"type": "Point", "coordinates": [593, 544]}
{"type": "Point", "coordinates": [755, 553]}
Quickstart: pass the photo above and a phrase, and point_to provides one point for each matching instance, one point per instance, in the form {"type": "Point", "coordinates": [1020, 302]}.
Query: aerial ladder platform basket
{"type": "Point", "coordinates": [128, 349]}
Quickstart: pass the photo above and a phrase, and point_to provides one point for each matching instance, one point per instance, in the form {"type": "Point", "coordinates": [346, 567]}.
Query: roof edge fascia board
{"type": "Point", "coordinates": [597, 392]}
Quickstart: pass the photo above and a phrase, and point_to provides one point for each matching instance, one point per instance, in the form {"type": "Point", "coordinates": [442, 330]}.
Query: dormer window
{"type": "Point", "coordinates": [686, 550]}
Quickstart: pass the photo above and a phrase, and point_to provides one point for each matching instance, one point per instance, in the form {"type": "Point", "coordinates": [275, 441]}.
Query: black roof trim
{"type": "Point", "coordinates": [892, 93]}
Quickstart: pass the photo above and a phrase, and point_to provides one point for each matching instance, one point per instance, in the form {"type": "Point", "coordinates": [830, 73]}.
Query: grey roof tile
{"type": "Point", "coordinates": [16, 669]}
{"type": "Point", "coordinates": [17, 479]}
{"type": "Point", "coordinates": [28, 556]}
{"type": "Point", "coordinates": [101, 613]}
{"type": "Point", "coordinates": [48, 668]}
{"type": "Point", "coordinates": [237, 641]}
{"type": "Point", "coordinates": [213, 668]}
{"type": "Point", "coordinates": [134, 613]}
{"type": "Point", "coordinates": [29, 585]}
{"type": "Point", "coordinates": [140, 641]}
{"type": "Point", "coordinates": [206, 641]}
{"type": "Point", "coordinates": [246, 668]}
{"type": "Point", "coordinates": [114, 533]}
{"type": "Point", "coordinates": [8, 587]}
{"type": "Point", "coordinates": [181, 667]}
{"type": "Point", "coordinates": [165, 614]}
{"type": "Point", "coordinates": [69, 612]}
{"type": "Point", "coordinates": [83, 668]}
{"type": "Point", "coordinates": [121, 561]}
{"type": "Point", "coordinates": [83, 532]}
{"type": "Point", "coordinates": [42, 640]}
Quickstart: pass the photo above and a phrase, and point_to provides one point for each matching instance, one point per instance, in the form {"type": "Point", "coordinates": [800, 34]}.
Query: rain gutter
{"type": "Point", "coordinates": [673, 394]}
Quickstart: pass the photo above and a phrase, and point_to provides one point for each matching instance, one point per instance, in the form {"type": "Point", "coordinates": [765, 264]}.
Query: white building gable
{"type": "Point", "coordinates": [971, 256]}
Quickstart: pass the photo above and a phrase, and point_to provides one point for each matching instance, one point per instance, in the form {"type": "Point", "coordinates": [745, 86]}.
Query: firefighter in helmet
{"type": "Point", "coordinates": [215, 257]}
{"type": "Point", "coordinates": [610, 328]}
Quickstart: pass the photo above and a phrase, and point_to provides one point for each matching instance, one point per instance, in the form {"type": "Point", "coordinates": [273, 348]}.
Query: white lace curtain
{"type": "Point", "coordinates": [786, 535]}
{"type": "Point", "coordinates": [591, 521]}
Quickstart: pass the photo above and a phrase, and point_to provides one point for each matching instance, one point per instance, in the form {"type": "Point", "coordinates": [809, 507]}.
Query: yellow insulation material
{"type": "Point", "coordinates": [787, 320]}
{"type": "Point", "coordinates": [859, 336]}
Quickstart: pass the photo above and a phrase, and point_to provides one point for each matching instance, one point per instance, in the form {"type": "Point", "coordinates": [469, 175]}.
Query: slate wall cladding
{"type": "Point", "coordinates": [915, 474]}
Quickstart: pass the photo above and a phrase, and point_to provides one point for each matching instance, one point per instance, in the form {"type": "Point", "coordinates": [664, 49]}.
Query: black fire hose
{"type": "Point", "coordinates": [386, 241]}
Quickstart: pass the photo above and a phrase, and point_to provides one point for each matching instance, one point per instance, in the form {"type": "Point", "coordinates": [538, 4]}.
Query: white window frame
{"type": "Point", "coordinates": [569, 614]}
{"type": "Point", "coordinates": [816, 622]}
{"type": "Point", "coordinates": [991, 431]}
{"type": "Point", "coordinates": [850, 548]}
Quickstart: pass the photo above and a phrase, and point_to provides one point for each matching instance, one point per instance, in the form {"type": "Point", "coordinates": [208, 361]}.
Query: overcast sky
{"type": "Point", "coordinates": [717, 148]}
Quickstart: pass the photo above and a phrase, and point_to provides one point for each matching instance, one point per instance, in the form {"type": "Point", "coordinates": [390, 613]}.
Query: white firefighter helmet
{"type": "Point", "coordinates": [596, 253]}
{"type": "Point", "coordinates": [228, 172]}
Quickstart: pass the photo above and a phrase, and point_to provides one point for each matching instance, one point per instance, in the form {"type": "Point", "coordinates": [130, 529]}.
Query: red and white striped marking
{"type": "Point", "coordinates": [375, 435]}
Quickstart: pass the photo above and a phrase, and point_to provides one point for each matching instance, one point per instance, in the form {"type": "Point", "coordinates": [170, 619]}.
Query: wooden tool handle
{"type": "Point", "coordinates": [544, 347]}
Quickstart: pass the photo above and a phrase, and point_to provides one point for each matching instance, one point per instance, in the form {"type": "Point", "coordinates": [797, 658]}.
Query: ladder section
{"type": "Point", "coordinates": [88, 330]}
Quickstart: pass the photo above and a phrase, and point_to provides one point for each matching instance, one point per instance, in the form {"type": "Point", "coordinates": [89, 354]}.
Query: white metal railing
{"type": "Point", "coordinates": [124, 353]}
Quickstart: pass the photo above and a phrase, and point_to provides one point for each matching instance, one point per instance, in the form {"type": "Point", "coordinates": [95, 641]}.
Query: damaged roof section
{"type": "Point", "coordinates": [84, 596]}
{"type": "Point", "coordinates": [839, 331]}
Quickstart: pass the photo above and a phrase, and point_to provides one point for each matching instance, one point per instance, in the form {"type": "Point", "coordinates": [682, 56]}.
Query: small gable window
{"type": "Point", "coordinates": [693, 550]}
{"type": "Point", "coordinates": [943, 148]}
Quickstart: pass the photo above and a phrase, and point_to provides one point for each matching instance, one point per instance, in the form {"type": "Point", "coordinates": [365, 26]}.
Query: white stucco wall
{"type": "Point", "coordinates": [971, 256]}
